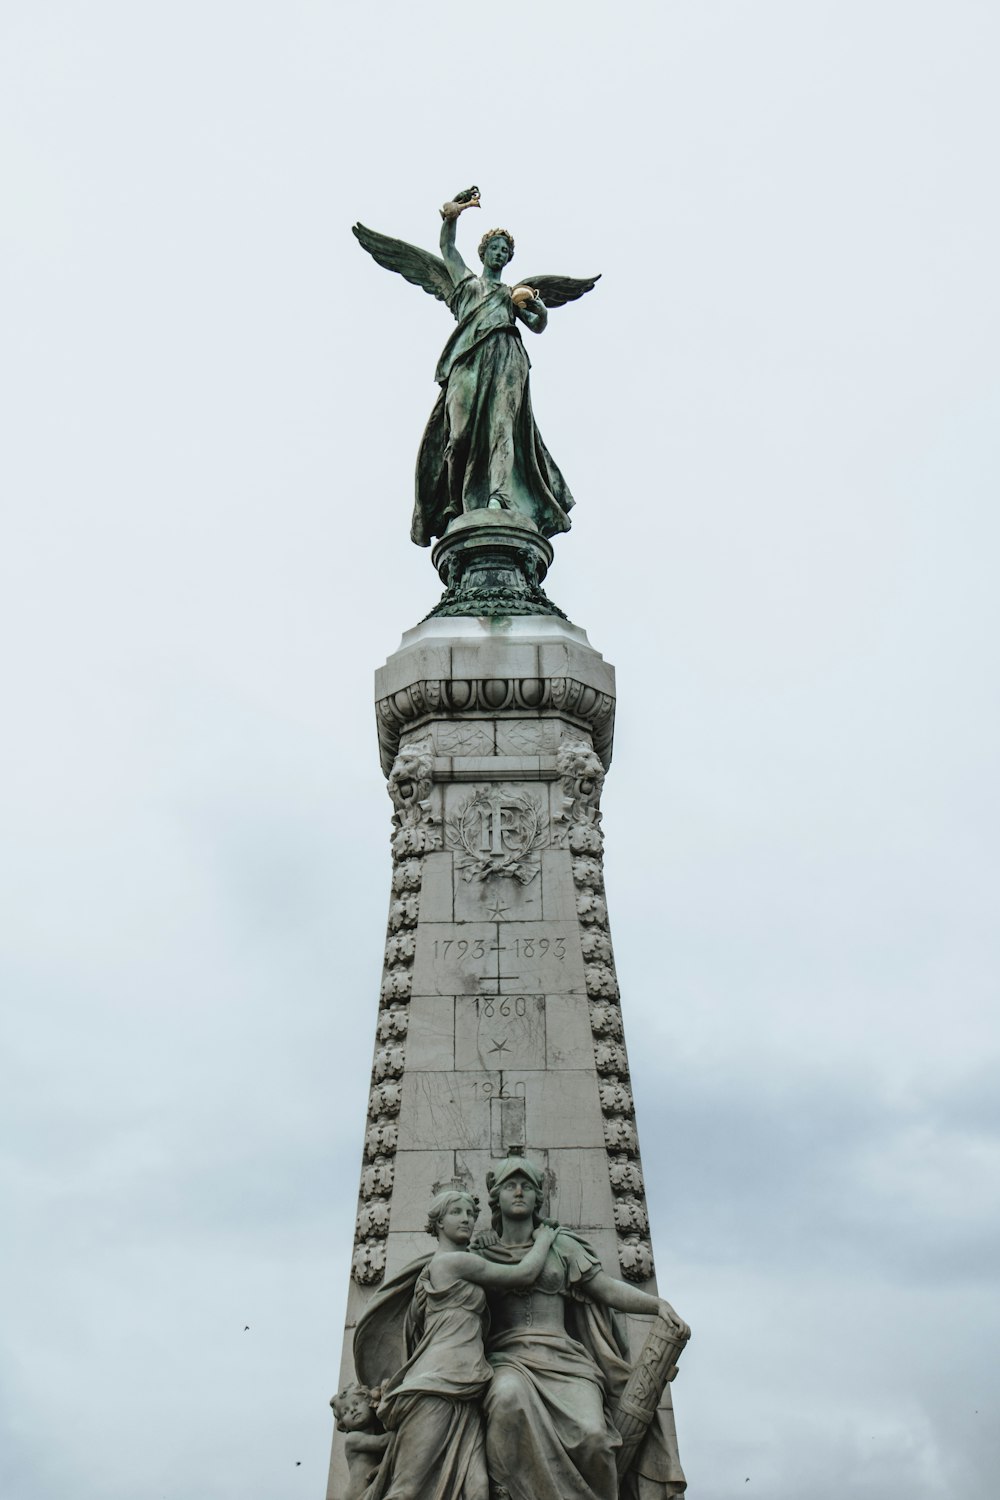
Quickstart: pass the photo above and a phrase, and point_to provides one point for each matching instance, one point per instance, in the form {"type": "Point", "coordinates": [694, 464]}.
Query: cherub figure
{"type": "Point", "coordinates": [365, 1441]}
{"type": "Point", "coordinates": [481, 448]}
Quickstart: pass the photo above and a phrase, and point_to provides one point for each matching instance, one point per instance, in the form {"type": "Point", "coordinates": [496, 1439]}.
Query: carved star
{"type": "Point", "coordinates": [499, 1047]}
{"type": "Point", "coordinates": [497, 911]}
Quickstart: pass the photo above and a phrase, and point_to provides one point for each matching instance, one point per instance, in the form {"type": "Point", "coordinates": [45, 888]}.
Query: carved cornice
{"type": "Point", "coordinates": [422, 701]}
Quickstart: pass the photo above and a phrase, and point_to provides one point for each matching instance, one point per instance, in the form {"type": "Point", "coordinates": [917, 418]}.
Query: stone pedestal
{"type": "Point", "coordinates": [499, 1027]}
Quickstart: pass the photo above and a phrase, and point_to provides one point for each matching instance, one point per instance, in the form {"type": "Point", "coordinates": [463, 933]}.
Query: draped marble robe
{"type": "Point", "coordinates": [431, 1402]}
{"type": "Point", "coordinates": [549, 1431]}
{"type": "Point", "coordinates": [481, 443]}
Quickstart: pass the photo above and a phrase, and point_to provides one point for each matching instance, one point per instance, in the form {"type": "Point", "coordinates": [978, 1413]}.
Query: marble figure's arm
{"type": "Point", "coordinates": [366, 1442]}
{"type": "Point", "coordinates": [462, 1266]}
{"type": "Point", "coordinates": [629, 1299]}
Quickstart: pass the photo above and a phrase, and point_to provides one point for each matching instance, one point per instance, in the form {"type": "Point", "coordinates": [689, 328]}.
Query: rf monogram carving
{"type": "Point", "coordinates": [495, 832]}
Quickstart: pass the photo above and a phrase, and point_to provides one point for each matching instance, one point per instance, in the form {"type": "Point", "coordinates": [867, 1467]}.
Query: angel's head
{"type": "Point", "coordinates": [496, 248]}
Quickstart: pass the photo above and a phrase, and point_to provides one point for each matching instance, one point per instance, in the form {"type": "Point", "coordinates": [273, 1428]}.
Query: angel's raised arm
{"type": "Point", "coordinates": [418, 266]}
{"type": "Point", "coordinates": [457, 268]}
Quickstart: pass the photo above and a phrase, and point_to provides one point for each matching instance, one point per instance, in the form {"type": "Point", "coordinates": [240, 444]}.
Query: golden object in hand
{"type": "Point", "coordinates": [467, 198]}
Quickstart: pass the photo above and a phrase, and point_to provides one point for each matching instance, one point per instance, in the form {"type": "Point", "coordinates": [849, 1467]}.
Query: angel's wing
{"type": "Point", "coordinates": [555, 291]}
{"type": "Point", "coordinates": [418, 266]}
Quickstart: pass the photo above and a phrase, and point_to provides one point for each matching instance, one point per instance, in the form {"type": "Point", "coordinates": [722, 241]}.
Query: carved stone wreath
{"type": "Point", "coordinates": [496, 833]}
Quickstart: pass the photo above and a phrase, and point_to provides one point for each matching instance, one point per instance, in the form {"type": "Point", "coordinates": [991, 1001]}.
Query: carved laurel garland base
{"type": "Point", "coordinates": [582, 776]}
{"type": "Point", "coordinates": [409, 787]}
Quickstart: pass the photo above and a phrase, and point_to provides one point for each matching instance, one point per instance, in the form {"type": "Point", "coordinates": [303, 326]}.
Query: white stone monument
{"type": "Point", "coordinates": [499, 1028]}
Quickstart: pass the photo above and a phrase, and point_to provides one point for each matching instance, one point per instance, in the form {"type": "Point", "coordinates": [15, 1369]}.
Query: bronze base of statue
{"type": "Point", "coordinates": [492, 562]}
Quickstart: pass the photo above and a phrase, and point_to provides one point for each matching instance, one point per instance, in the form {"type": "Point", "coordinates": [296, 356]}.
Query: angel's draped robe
{"type": "Point", "coordinates": [481, 443]}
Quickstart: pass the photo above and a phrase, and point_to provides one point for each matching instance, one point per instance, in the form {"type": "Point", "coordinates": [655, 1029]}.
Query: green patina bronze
{"type": "Point", "coordinates": [492, 563]}
{"type": "Point", "coordinates": [481, 453]}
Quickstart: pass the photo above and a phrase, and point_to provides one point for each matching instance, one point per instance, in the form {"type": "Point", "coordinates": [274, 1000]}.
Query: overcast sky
{"type": "Point", "coordinates": [779, 413]}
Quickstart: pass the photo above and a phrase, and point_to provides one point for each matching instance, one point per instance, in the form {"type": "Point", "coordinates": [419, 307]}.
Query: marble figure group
{"type": "Point", "coordinates": [494, 1368]}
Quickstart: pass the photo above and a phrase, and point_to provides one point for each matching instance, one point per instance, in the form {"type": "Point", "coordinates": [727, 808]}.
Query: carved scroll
{"type": "Point", "coordinates": [656, 1365]}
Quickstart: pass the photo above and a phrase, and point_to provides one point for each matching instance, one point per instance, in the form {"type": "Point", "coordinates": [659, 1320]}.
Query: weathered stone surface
{"type": "Point", "coordinates": [437, 891]}
{"type": "Point", "coordinates": [422, 1174]}
{"type": "Point", "coordinates": [559, 894]}
{"type": "Point", "coordinates": [430, 1040]}
{"type": "Point", "coordinates": [476, 900]}
{"type": "Point", "coordinates": [569, 1040]}
{"type": "Point", "coordinates": [500, 1032]}
{"type": "Point", "coordinates": [580, 1192]}
{"type": "Point", "coordinates": [499, 1028]}
{"type": "Point", "coordinates": [448, 1107]}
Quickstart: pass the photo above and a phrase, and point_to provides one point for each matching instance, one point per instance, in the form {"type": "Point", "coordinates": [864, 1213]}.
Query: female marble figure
{"type": "Point", "coordinates": [557, 1364]}
{"type": "Point", "coordinates": [481, 448]}
{"type": "Point", "coordinates": [431, 1404]}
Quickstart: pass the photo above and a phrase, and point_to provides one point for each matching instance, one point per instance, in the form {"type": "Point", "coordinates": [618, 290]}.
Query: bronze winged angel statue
{"type": "Point", "coordinates": [481, 448]}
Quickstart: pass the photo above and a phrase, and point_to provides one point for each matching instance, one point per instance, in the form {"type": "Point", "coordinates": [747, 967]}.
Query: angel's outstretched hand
{"type": "Point", "coordinates": [468, 198]}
